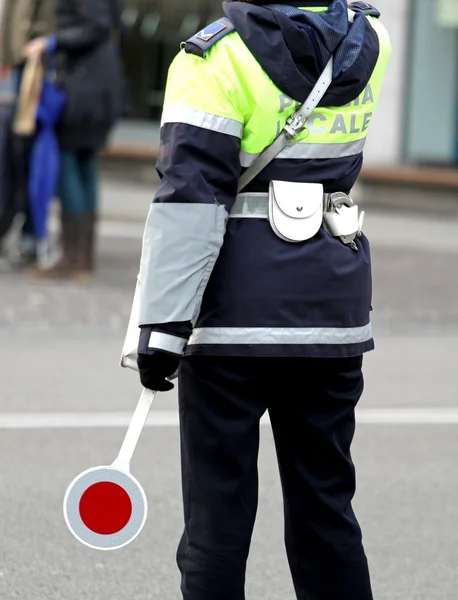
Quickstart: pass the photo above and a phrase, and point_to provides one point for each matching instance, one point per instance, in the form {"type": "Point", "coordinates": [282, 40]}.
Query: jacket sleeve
{"type": "Point", "coordinates": [199, 166]}
{"type": "Point", "coordinates": [92, 26]}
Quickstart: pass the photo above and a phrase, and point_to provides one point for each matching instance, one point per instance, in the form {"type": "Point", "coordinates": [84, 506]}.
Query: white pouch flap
{"type": "Point", "coordinates": [295, 209]}
{"type": "Point", "coordinates": [130, 348]}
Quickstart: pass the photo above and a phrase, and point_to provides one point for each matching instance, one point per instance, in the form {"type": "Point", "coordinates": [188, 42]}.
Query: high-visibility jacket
{"type": "Point", "coordinates": [210, 284]}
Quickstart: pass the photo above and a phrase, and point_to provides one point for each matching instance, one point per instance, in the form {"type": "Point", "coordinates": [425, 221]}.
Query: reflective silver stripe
{"type": "Point", "coordinates": [203, 120]}
{"type": "Point", "coordinates": [167, 342]}
{"type": "Point", "coordinates": [282, 335]}
{"type": "Point", "coordinates": [254, 206]}
{"type": "Point", "coordinates": [309, 151]}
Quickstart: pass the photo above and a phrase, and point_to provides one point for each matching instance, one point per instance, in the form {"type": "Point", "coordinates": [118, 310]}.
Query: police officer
{"type": "Point", "coordinates": [261, 299]}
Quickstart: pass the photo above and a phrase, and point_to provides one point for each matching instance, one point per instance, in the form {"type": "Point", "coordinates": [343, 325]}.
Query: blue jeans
{"type": "Point", "coordinates": [78, 181]}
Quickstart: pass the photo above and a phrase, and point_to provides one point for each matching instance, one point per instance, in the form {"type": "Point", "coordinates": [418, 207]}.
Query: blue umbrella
{"type": "Point", "coordinates": [45, 157]}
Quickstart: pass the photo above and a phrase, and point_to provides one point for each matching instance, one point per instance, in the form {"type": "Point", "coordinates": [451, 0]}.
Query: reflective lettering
{"type": "Point", "coordinates": [367, 120]}
{"type": "Point", "coordinates": [353, 128]}
{"type": "Point", "coordinates": [368, 95]}
{"type": "Point", "coordinates": [285, 102]}
{"type": "Point", "coordinates": [311, 123]}
{"type": "Point", "coordinates": [339, 125]}
{"type": "Point", "coordinates": [278, 128]}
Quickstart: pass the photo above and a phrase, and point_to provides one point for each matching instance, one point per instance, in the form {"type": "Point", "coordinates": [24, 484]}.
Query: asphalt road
{"type": "Point", "coordinates": [59, 354]}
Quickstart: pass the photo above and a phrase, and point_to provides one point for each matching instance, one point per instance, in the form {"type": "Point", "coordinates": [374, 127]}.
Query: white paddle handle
{"type": "Point", "coordinates": [135, 429]}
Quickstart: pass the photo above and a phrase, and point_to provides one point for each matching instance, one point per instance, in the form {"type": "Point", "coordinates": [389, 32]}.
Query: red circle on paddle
{"type": "Point", "coordinates": [105, 508]}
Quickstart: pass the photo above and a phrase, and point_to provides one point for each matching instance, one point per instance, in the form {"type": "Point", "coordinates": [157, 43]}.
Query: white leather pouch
{"type": "Point", "coordinates": [295, 209]}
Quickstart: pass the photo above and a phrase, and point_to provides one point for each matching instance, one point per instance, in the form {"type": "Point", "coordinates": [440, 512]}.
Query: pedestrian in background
{"type": "Point", "coordinates": [21, 22]}
{"type": "Point", "coordinates": [89, 71]}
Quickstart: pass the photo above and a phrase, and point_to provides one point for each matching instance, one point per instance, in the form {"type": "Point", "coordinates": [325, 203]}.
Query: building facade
{"type": "Point", "coordinates": [157, 29]}
{"type": "Point", "coordinates": [417, 119]}
{"type": "Point", "coordinates": [431, 109]}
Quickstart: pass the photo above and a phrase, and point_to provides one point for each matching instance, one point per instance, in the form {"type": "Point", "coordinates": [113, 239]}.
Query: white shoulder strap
{"type": "Point", "coordinates": [294, 125]}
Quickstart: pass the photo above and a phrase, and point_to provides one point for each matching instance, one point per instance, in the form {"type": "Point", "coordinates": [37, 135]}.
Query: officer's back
{"type": "Point", "coordinates": [232, 89]}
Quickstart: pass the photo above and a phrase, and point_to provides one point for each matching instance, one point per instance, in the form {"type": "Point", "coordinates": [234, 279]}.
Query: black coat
{"type": "Point", "coordinates": [89, 70]}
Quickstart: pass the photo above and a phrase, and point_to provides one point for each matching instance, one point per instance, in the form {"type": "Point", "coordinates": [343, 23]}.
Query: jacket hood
{"type": "Point", "coordinates": [293, 46]}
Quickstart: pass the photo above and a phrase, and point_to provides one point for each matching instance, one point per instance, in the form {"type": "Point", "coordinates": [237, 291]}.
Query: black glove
{"type": "Point", "coordinates": [155, 368]}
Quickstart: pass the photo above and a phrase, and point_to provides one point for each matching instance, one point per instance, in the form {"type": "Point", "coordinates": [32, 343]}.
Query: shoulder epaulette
{"type": "Point", "coordinates": [365, 8]}
{"type": "Point", "coordinates": [199, 43]}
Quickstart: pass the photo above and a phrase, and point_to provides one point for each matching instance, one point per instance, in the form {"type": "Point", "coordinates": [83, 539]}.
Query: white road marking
{"type": "Point", "coordinates": [85, 420]}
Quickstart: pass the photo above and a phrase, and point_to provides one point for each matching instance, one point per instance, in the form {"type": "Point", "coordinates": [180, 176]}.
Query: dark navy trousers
{"type": "Point", "coordinates": [311, 405]}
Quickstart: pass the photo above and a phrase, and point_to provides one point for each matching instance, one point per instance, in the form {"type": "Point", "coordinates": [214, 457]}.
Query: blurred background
{"type": "Point", "coordinates": [65, 403]}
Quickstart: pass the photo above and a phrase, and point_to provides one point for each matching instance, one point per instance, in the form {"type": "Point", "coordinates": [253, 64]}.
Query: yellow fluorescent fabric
{"type": "Point", "coordinates": [229, 92]}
